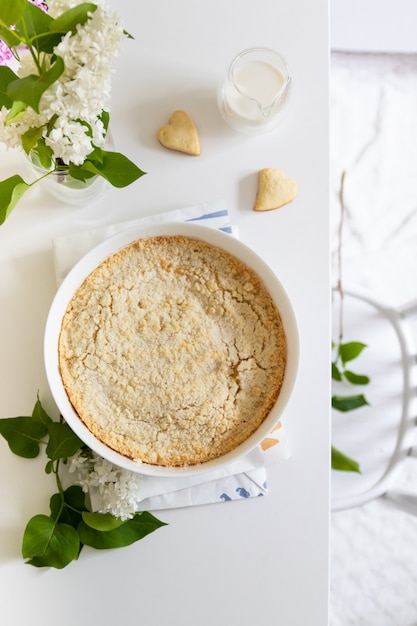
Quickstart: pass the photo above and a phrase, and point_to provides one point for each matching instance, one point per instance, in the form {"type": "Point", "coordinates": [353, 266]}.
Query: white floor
{"type": "Point", "coordinates": [374, 140]}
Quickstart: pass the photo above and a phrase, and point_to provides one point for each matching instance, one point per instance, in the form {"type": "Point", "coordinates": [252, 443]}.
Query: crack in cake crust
{"type": "Point", "coordinates": [172, 352]}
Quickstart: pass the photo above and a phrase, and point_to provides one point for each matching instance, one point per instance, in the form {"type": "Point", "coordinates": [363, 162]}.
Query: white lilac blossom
{"type": "Point", "coordinates": [117, 488]}
{"type": "Point", "coordinates": [76, 101]}
{"type": "Point", "coordinates": [56, 7]}
{"type": "Point", "coordinates": [55, 100]}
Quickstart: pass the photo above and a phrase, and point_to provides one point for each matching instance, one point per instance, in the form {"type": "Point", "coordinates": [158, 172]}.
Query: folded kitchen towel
{"type": "Point", "coordinates": [244, 478]}
{"type": "Point", "coordinates": [68, 249]}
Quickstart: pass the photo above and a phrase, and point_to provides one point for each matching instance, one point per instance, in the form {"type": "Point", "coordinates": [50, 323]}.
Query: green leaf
{"type": "Point", "coordinates": [32, 30]}
{"type": "Point", "coordinates": [336, 375]}
{"type": "Point", "coordinates": [356, 379]}
{"type": "Point", "coordinates": [73, 501]}
{"type": "Point", "coordinates": [96, 156]}
{"type": "Point", "coordinates": [17, 110]}
{"type": "Point", "coordinates": [6, 77]}
{"type": "Point", "coordinates": [23, 434]}
{"type": "Point", "coordinates": [39, 414]}
{"type": "Point", "coordinates": [37, 536]}
{"type": "Point", "coordinates": [49, 544]}
{"type": "Point", "coordinates": [343, 463]}
{"type": "Point", "coordinates": [130, 531]}
{"type": "Point", "coordinates": [348, 403]}
{"type": "Point", "coordinates": [68, 20]}
{"type": "Point", "coordinates": [30, 138]}
{"type": "Point", "coordinates": [74, 496]}
{"type": "Point", "coordinates": [11, 190]}
{"type": "Point", "coordinates": [117, 169]}
{"type": "Point", "coordinates": [31, 88]}
{"type": "Point", "coordinates": [78, 172]}
{"type": "Point", "coordinates": [10, 37]}
{"type": "Point", "coordinates": [101, 521]}
{"type": "Point", "coordinates": [70, 517]}
{"type": "Point", "coordinates": [55, 506]}
{"type": "Point", "coordinates": [42, 155]}
{"type": "Point", "coordinates": [34, 23]}
{"type": "Point", "coordinates": [45, 32]}
{"type": "Point", "coordinates": [63, 442]}
{"type": "Point", "coordinates": [12, 12]}
{"type": "Point", "coordinates": [351, 350]}
{"type": "Point", "coordinates": [105, 118]}
{"type": "Point", "coordinates": [46, 42]}
{"type": "Point", "coordinates": [69, 510]}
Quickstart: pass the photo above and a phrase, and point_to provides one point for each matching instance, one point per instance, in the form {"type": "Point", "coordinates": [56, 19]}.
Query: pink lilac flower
{"type": "Point", "coordinates": [39, 3]}
{"type": "Point", "coordinates": [5, 54]}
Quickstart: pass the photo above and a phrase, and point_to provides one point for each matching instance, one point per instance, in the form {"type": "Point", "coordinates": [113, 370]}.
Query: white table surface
{"type": "Point", "coordinates": [260, 561]}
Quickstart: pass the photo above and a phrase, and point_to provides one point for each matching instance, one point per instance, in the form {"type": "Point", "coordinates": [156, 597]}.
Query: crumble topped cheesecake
{"type": "Point", "coordinates": [172, 351]}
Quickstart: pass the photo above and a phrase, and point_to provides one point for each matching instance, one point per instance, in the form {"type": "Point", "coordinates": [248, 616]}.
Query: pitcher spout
{"type": "Point", "coordinates": [265, 110]}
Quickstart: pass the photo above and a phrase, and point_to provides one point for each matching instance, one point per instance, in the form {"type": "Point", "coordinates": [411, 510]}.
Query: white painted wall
{"type": "Point", "coordinates": [374, 25]}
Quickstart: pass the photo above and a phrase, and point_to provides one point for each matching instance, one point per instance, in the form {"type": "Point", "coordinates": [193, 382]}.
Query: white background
{"type": "Point", "coordinates": [374, 25]}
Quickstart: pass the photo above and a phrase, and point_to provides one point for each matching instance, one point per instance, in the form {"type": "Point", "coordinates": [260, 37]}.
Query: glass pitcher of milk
{"type": "Point", "coordinates": [256, 90]}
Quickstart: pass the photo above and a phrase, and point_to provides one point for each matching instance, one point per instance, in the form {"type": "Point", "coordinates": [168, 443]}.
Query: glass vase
{"type": "Point", "coordinates": [60, 184]}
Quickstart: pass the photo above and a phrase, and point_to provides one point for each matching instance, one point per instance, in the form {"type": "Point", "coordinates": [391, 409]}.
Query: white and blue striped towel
{"type": "Point", "coordinates": [69, 249]}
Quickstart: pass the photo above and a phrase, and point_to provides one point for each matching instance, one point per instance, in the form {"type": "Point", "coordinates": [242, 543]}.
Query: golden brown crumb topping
{"type": "Point", "coordinates": [172, 351]}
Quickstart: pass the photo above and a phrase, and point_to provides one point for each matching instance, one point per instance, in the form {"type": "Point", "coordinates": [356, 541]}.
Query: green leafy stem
{"type": "Point", "coordinates": [344, 354]}
{"type": "Point", "coordinates": [55, 540]}
{"type": "Point", "coordinates": [114, 167]}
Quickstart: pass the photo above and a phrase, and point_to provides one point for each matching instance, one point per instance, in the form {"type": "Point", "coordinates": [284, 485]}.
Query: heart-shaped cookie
{"type": "Point", "coordinates": [274, 190]}
{"type": "Point", "coordinates": [180, 134]}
